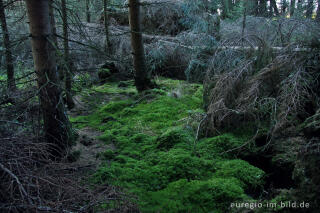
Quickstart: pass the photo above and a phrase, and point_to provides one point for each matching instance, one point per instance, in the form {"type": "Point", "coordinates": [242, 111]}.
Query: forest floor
{"type": "Point", "coordinates": [147, 144]}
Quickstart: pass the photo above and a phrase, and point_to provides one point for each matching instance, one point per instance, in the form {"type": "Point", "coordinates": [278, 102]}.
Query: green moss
{"type": "Point", "coordinates": [179, 163]}
{"type": "Point", "coordinates": [114, 107]}
{"type": "Point", "coordinates": [81, 81]}
{"type": "Point", "coordinates": [251, 177]}
{"type": "Point", "coordinates": [113, 88]}
{"type": "Point", "coordinates": [104, 73]}
{"type": "Point", "coordinates": [156, 170]}
{"type": "Point", "coordinates": [221, 146]}
{"type": "Point", "coordinates": [214, 195]}
{"type": "Point", "coordinates": [157, 157]}
{"type": "Point", "coordinates": [174, 136]}
{"type": "Point", "coordinates": [107, 155]}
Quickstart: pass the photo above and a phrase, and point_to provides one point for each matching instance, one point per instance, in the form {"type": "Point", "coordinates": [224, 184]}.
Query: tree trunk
{"type": "Point", "coordinates": [309, 9]}
{"type": "Point", "coordinates": [88, 15]}
{"type": "Point", "coordinates": [225, 9]}
{"type": "Point", "coordinates": [292, 7]}
{"type": "Point", "coordinates": [252, 7]}
{"type": "Point", "coordinates": [231, 5]}
{"type": "Point", "coordinates": [6, 41]}
{"type": "Point", "coordinates": [67, 62]}
{"type": "Point", "coordinates": [273, 4]}
{"type": "Point", "coordinates": [318, 12]}
{"type": "Point", "coordinates": [57, 128]}
{"type": "Point", "coordinates": [54, 33]}
{"type": "Point", "coordinates": [263, 8]}
{"type": "Point", "coordinates": [284, 6]}
{"type": "Point", "coordinates": [53, 23]}
{"type": "Point", "coordinates": [142, 78]}
{"type": "Point", "coordinates": [106, 25]}
{"type": "Point", "coordinates": [299, 7]}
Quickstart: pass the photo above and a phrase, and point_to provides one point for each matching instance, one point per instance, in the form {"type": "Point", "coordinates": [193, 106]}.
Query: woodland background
{"type": "Point", "coordinates": [191, 106]}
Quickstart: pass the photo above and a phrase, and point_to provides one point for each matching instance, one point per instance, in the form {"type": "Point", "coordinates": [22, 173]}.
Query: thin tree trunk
{"type": "Point", "coordinates": [263, 7]}
{"type": "Point", "coordinates": [318, 12]}
{"type": "Point", "coordinates": [88, 15]}
{"type": "Point", "coordinates": [67, 62]}
{"type": "Point", "coordinates": [57, 128]}
{"type": "Point", "coordinates": [6, 41]}
{"type": "Point", "coordinates": [231, 5]}
{"type": "Point", "coordinates": [274, 6]}
{"type": "Point", "coordinates": [309, 9]}
{"type": "Point", "coordinates": [284, 6]}
{"type": "Point", "coordinates": [244, 24]}
{"type": "Point", "coordinates": [270, 10]}
{"type": "Point", "coordinates": [299, 7]}
{"type": "Point", "coordinates": [292, 7]}
{"type": "Point", "coordinates": [106, 25]}
{"type": "Point", "coordinates": [252, 7]}
{"type": "Point", "coordinates": [142, 78]}
{"type": "Point", "coordinates": [225, 9]}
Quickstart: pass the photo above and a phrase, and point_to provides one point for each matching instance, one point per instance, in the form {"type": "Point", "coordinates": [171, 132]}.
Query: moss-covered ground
{"type": "Point", "coordinates": [157, 157]}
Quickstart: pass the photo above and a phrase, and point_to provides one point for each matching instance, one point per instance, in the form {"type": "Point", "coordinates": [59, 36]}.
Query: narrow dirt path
{"type": "Point", "coordinates": [87, 144]}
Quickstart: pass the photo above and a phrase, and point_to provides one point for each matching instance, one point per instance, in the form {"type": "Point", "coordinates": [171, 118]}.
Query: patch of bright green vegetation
{"type": "Point", "coordinates": [3, 77]}
{"type": "Point", "coordinates": [219, 146]}
{"type": "Point", "coordinates": [213, 195]}
{"type": "Point", "coordinates": [157, 157]}
{"type": "Point", "coordinates": [250, 177]}
{"type": "Point", "coordinates": [114, 88]}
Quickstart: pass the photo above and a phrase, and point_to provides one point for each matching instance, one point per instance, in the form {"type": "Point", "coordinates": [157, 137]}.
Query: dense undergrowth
{"type": "Point", "coordinates": [157, 156]}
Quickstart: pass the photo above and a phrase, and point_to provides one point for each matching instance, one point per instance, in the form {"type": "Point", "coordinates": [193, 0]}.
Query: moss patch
{"type": "Point", "coordinates": [213, 195]}
{"type": "Point", "coordinates": [250, 177]}
{"type": "Point", "coordinates": [157, 157]}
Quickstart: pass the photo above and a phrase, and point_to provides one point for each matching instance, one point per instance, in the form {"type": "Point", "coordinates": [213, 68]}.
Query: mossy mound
{"type": "Point", "coordinates": [223, 146]}
{"type": "Point", "coordinates": [251, 178]}
{"type": "Point", "coordinates": [213, 195]}
{"type": "Point", "coordinates": [174, 136]}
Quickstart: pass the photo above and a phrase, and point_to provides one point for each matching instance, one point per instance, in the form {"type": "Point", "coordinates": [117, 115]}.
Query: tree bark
{"type": "Point", "coordinates": [54, 33]}
{"type": "Point", "coordinates": [225, 9]}
{"type": "Point", "coordinates": [263, 7]}
{"type": "Point", "coordinates": [292, 7]}
{"type": "Point", "coordinates": [53, 23]}
{"type": "Point", "coordinates": [106, 25]}
{"type": "Point", "coordinates": [273, 4]}
{"type": "Point", "coordinates": [231, 5]}
{"type": "Point", "coordinates": [88, 15]}
{"type": "Point", "coordinates": [142, 78]}
{"type": "Point", "coordinates": [67, 62]}
{"type": "Point", "coordinates": [318, 12]}
{"type": "Point", "coordinates": [299, 7]}
{"type": "Point", "coordinates": [57, 128]}
{"type": "Point", "coordinates": [252, 7]}
{"type": "Point", "coordinates": [11, 85]}
{"type": "Point", "coordinates": [284, 6]}
{"type": "Point", "coordinates": [309, 9]}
